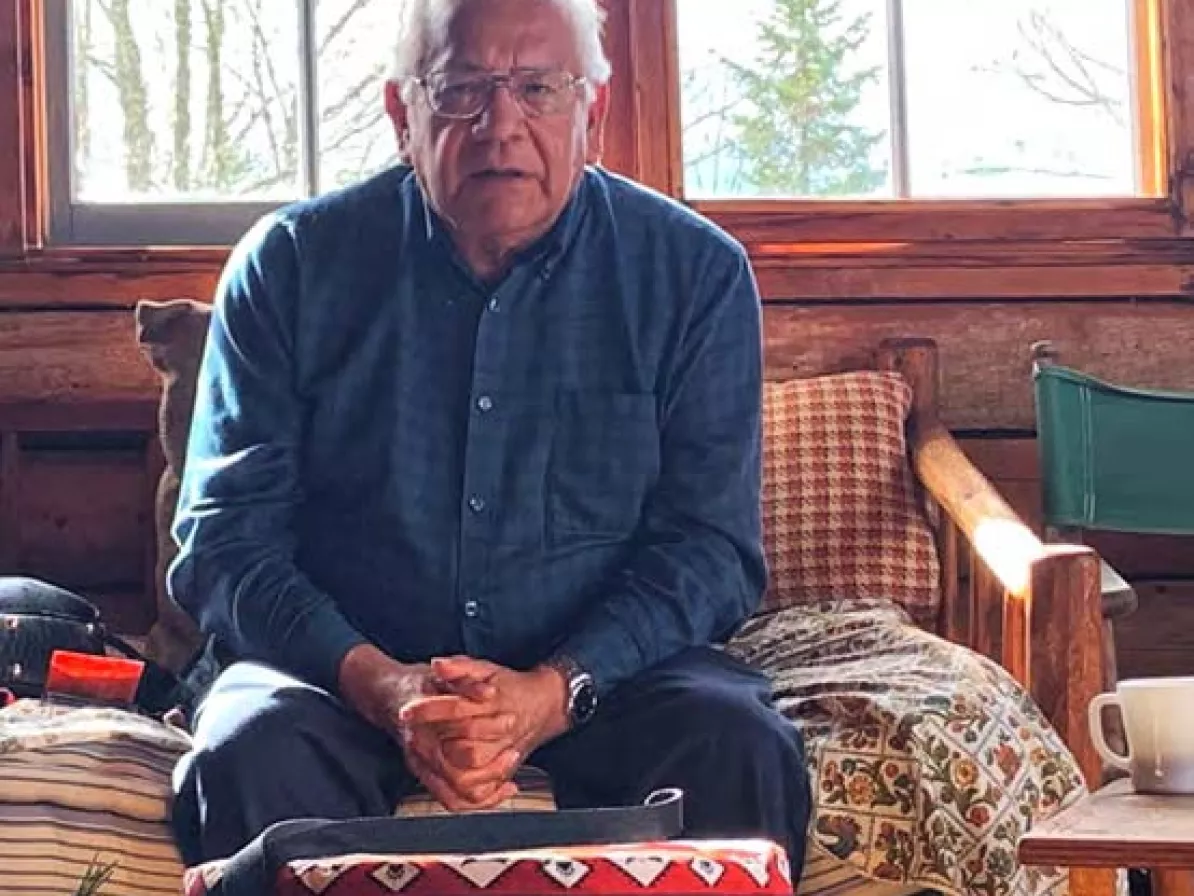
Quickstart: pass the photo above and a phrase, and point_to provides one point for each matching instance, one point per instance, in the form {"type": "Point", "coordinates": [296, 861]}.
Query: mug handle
{"type": "Point", "coordinates": [1095, 712]}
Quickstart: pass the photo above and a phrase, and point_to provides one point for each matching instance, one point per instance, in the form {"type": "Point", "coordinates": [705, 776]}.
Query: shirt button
{"type": "Point", "coordinates": [485, 404]}
{"type": "Point", "coordinates": [495, 305]}
{"type": "Point", "coordinates": [476, 503]}
{"type": "Point", "coordinates": [472, 609]}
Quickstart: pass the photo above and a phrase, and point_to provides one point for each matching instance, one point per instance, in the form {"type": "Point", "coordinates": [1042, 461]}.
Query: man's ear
{"type": "Point", "coordinates": [595, 126]}
{"type": "Point", "coordinates": [399, 115]}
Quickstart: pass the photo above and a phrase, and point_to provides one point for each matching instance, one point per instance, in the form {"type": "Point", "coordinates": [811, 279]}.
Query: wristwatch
{"type": "Point", "coordinates": [582, 692]}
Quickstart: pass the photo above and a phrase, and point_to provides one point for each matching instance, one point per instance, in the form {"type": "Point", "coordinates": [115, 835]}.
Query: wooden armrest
{"type": "Point", "coordinates": [1050, 594]}
{"type": "Point", "coordinates": [1007, 546]}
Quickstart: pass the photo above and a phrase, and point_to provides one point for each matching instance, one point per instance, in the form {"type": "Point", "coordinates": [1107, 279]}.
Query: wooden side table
{"type": "Point", "coordinates": [1119, 828]}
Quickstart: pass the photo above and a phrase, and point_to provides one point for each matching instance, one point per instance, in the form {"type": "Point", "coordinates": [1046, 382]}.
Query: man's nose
{"type": "Point", "coordinates": [503, 116]}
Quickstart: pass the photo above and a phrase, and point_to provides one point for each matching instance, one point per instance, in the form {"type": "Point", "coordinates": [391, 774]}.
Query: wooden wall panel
{"type": "Point", "coordinates": [77, 410]}
{"type": "Point", "coordinates": [83, 515]}
{"type": "Point", "coordinates": [1146, 557]}
{"type": "Point", "coordinates": [985, 347]}
{"type": "Point", "coordinates": [83, 357]}
{"type": "Point", "coordinates": [1158, 639]}
{"type": "Point", "coordinates": [1011, 463]}
{"type": "Point", "coordinates": [1049, 222]}
{"type": "Point", "coordinates": [76, 509]}
{"type": "Point", "coordinates": [10, 527]}
{"type": "Point", "coordinates": [856, 279]}
{"type": "Point", "coordinates": [103, 286]}
{"type": "Point", "coordinates": [71, 358]}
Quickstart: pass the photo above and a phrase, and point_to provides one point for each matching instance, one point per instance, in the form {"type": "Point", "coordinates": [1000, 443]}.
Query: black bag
{"type": "Point", "coordinates": [37, 618]}
{"type": "Point", "coordinates": [253, 870]}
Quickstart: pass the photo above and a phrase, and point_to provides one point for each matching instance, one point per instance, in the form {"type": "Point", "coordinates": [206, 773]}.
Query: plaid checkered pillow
{"type": "Point", "coordinates": [841, 515]}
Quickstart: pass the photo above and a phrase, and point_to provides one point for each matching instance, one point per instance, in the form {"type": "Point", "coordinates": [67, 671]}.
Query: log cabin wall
{"type": "Point", "coordinates": [78, 461]}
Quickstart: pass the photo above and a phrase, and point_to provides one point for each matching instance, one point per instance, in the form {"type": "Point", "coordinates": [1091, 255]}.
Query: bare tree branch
{"type": "Point", "coordinates": [285, 147]}
{"type": "Point", "coordinates": [353, 94]}
{"type": "Point", "coordinates": [346, 135]}
{"type": "Point", "coordinates": [339, 25]}
{"type": "Point", "coordinates": [105, 68]}
{"type": "Point", "coordinates": [1059, 71]}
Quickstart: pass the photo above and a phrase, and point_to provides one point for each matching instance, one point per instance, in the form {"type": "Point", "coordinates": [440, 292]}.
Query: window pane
{"type": "Point", "coordinates": [354, 39]}
{"type": "Point", "coordinates": [1020, 98]}
{"type": "Point", "coordinates": [191, 99]}
{"type": "Point", "coordinates": [784, 98]}
{"type": "Point", "coordinates": [1004, 98]}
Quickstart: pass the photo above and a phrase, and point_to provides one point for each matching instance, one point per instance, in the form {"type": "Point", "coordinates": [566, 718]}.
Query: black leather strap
{"type": "Point", "coordinates": [252, 871]}
{"type": "Point", "coordinates": [159, 690]}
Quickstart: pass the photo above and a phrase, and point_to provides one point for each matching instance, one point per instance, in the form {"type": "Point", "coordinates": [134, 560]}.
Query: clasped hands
{"type": "Point", "coordinates": [465, 725]}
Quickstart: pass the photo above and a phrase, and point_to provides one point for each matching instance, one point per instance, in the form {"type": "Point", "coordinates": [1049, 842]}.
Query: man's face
{"type": "Point", "coordinates": [504, 176]}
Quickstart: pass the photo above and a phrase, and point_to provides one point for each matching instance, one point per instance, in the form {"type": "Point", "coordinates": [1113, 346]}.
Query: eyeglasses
{"type": "Point", "coordinates": [464, 96]}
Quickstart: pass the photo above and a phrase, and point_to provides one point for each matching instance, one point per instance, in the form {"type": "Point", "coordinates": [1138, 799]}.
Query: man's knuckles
{"type": "Point", "coordinates": [442, 708]}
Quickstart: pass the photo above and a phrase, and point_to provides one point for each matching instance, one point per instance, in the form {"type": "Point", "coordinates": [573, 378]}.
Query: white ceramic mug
{"type": "Point", "coordinates": [1158, 716]}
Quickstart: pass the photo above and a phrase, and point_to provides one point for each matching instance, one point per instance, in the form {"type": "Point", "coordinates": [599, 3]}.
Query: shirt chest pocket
{"type": "Point", "coordinates": [604, 461]}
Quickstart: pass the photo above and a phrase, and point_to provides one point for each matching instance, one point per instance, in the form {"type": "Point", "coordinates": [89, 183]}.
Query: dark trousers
{"type": "Point", "coordinates": [269, 748]}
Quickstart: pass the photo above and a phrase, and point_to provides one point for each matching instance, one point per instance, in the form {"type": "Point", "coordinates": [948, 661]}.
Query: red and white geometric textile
{"type": "Point", "coordinates": [680, 868]}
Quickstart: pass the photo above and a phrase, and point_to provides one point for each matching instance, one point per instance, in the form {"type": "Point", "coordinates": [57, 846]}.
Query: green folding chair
{"type": "Point", "coordinates": [1112, 458]}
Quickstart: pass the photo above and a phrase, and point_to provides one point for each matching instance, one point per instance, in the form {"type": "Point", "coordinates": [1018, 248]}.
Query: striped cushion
{"type": "Point", "coordinates": [534, 794]}
{"type": "Point", "coordinates": [826, 875]}
{"type": "Point", "coordinates": [85, 785]}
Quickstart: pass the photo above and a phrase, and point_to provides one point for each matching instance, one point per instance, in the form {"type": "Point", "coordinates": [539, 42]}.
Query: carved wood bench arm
{"type": "Point", "coordinates": [1035, 606]}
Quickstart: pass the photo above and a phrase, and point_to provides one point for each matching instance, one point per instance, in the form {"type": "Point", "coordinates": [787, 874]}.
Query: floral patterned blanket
{"type": "Point", "coordinates": [928, 761]}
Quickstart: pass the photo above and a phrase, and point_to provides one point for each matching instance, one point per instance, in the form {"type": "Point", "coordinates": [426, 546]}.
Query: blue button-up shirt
{"type": "Point", "coordinates": [386, 449]}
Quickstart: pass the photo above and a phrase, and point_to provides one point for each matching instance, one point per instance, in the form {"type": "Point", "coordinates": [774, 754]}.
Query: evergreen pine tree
{"type": "Point", "coordinates": [795, 133]}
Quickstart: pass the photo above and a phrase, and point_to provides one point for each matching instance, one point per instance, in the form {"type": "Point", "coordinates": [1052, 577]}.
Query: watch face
{"type": "Point", "coordinates": [584, 700]}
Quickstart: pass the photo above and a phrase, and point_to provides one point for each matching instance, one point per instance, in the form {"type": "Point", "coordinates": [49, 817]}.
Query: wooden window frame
{"type": "Point", "coordinates": [77, 223]}
{"type": "Point", "coordinates": [820, 250]}
{"type": "Point", "coordinates": [14, 142]}
{"type": "Point", "coordinates": [941, 249]}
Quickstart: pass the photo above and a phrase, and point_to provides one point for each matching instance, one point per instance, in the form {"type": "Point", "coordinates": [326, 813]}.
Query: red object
{"type": "Point", "coordinates": [100, 678]}
{"type": "Point", "coordinates": [680, 868]}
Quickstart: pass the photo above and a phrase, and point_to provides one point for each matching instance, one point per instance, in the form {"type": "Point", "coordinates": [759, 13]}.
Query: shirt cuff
{"type": "Point", "coordinates": [317, 644]}
{"type": "Point", "coordinates": [608, 653]}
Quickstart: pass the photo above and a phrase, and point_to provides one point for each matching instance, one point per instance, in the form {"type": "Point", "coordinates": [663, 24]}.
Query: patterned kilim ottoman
{"type": "Point", "coordinates": [681, 868]}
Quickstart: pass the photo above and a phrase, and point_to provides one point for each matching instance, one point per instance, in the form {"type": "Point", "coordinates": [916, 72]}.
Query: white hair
{"type": "Point", "coordinates": [424, 23]}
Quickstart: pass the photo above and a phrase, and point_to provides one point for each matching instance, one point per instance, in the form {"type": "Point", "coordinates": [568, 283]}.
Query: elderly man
{"type": "Point", "coordinates": [474, 475]}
